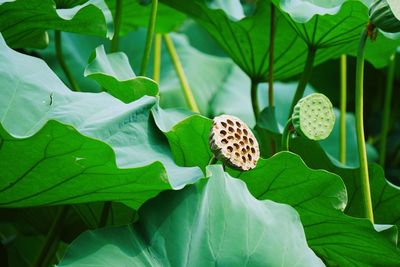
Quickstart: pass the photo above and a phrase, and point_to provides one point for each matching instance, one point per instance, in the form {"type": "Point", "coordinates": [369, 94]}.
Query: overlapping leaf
{"type": "Point", "coordinates": [385, 195]}
{"type": "Point", "coordinates": [203, 225]}
{"type": "Point", "coordinates": [32, 96]}
{"type": "Point", "coordinates": [115, 75]}
{"type": "Point", "coordinates": [23, 23]}
{"type": "Point", "coordinates": [60, 166]}
{"type": "Point", "coordinates": [246, 41]}
{"type": "Point", "coordinates": [320, 198]}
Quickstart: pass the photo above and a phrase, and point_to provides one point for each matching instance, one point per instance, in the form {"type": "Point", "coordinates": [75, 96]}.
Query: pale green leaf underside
{"type": "Point", "coordinates": [175, 230]}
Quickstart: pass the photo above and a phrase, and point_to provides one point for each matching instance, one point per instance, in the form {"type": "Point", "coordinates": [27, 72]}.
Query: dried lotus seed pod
{"type": "Point", "coordinates": [233, 143]}
{"type": "Point", "coordinates": [313, 117]}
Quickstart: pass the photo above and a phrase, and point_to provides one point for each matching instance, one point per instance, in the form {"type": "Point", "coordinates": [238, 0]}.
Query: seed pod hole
{"type": "Point", "coordinates": [230, 129]}
{"type": "Point", "coordinates": [239, 131]}
{"type": "Point", "coordinates": [230, 149]}
{"type": "Point", "coordinates": [237, 136]}
{"type": "Point", "coordinates": [224, 124]}
{"type": "Point", "coordinates": [229, 122]}
{"type": "Point", "coordinates": [223, 133]}
{"type": "Point", "coordinates": [224, 141]}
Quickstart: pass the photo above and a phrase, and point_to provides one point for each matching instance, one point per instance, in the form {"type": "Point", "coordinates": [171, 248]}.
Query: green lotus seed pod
{"type": "Point", "coordinates": [382, 16]}
{"type": "Point", "coordinates": [233, 143]}
{"type": "Point", "coordinates": [313, 117]}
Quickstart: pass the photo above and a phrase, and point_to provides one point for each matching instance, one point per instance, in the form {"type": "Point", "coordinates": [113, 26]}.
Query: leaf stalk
{"type": "Point", "coordinates": [117, 26]}
{"type": "Point", "coordinates": [149, 37]}
{"type": "Point", "coordinates": [60, 58]}
{"type": "Point", "coordinates": [190, 100]}
{"type": "Point", "coordinates": [362, 154]}
{"type": "Point", "coordinates": [305, 77]}
{"type": "Point", "coordinates": [386, 109]}
{"type": "Point", "coordinates": [343, 101]}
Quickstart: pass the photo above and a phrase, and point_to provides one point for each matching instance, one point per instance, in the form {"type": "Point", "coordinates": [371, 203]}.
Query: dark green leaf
{"type": "Point", "coordinates": [320, 197]}
{"type": "Point", "coordinates": [24, 22]}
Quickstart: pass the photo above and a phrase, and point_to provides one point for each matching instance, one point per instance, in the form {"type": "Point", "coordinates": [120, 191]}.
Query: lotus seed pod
{"type": "Point", "coordinates": [313, 117]}
{"type": "Point", "coordinates": [382, 16]}
{"type": "Point", "coordinates": [233, 143]}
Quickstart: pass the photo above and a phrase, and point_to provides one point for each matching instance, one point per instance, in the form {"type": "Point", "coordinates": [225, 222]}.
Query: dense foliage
{"type": "Point", "coordinates": [106, 108]}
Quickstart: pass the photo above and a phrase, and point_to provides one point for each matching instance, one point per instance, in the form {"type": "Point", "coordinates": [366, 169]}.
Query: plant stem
{"type": "Point", "coordinates": [181, 74]}
{"type": "Point", "coordinates": [117, 26]}
{"type": "Point", "coordinates": [254, 99]}
{"type": "Point", "coordinates": [104, 214]}
{"type": "Point", "coordinates": [213, 160]}
{"type": "Point", "coordinates": [301, 87]}
{"type": "Point", "coordinates": [343, 101]}
{"type": "Point", "coordinates": [271, 57]}
{"type": "Point", "coordinates": [271, 102]}
{"type": "Point", "coordinates": [386, 109]}
{"type": "Point", "coordinates": [60, 58]}
{"type": "Point", "coordinates": [149, 37]}
{"type": "Point", "coordinates": [50, 246]}
{"type": "Point", "coordinates": [362, 154]}
{"type": "Point", "coordinates": [286, 135]}
{"type": "Point", "coordinates": [157, 57]}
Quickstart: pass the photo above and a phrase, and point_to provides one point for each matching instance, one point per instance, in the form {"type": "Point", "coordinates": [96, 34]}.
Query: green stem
{"type": "Point", "coordinates": [271, 101]}
{"type": "Point", "coordinates": [213, 160]}
{"type": "Point", "coordinates": [149, 37]}
{"type": "Point", "coordinates": [181, 74]}
{"type": "Point", "coordinates": [254, 99]}
{"type": "Point", "coordinates": [366, 192]}
{"type": "Point", "coordinates": [286, 135]}
{"type": "Point", "coordinates": [386, 109]}
{"type": "Point", "coordinates": [117, 26]}
{"type": "Point", "coordinates": [157, 57]}
{"type": "Point", "coordinates": [60, 58]}
{"type": "Point", "coordinates": [104, 214]}
{"type": "Point", "coordinates": [271, 57]}
{"type": "Point", "coordinates": [50, 246]}
{"type": "Point", "coordinates": [305, 77]}
{"type": "Point", "coordinates": [343, 101]}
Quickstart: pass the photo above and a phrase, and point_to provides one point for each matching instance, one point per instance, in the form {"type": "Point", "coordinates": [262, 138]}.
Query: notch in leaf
{"type": "Point", "coordinates": [233, 143]}
{"type": "Point", "coordinates": [312, 117]}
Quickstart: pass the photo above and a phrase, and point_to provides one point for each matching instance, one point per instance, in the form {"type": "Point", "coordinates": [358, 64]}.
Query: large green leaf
{"type": "Point", "coordinates": [284, 176]}
{"type": "Point", "coordinates": [33, 95]}
{"type": "Point", "coordinates": [115, 75]}
{"type": "Point", "coordinates": [320, 197]}
{"type": "Point", "coordinates": [217, 223]}
{"type": "Point", "coordinates": [60, 166]}
{"type": "Point", "coordinates": [23, 23]}
{"type": "Point", "coordinates": [136, 14]}
{"type": "Point", "coordinates": [385, 196]}
{"type": "Point", "coordinates": [246, 41]}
